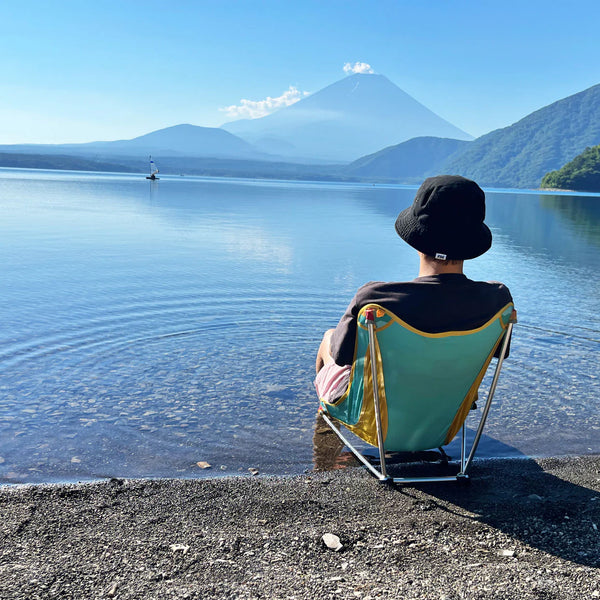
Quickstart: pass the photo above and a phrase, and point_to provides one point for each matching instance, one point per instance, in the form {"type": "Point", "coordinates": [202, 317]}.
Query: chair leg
{"type": "Point", "coordinates": [371, 330]}
{"type": "Point", "coordinates": [463, 454]}
{"type": "Point", "coordinates": [491, 392]}
{"type": "Point", "coordinates": [463, 449]}
{"type": "Point", "coordinates": [378, 474]}
{"type": "Point", "coordinates": [352, 449]}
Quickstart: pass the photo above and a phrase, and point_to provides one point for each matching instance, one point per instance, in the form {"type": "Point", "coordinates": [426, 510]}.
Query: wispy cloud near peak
{"type": "Point", "coordinates": [358, 67]}
{"type": "Point", "coordinates": [254, 109]}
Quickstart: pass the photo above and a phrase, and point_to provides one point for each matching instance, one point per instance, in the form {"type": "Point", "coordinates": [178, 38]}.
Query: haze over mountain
{"type": "Point", "coordinates": [178, 140]}
{"type": "Point", "coordinates": [357, 115]}
{"type": "Point", "coordinates": [409, 161]}
{"type": "Point", "coordinates": [516, 156]}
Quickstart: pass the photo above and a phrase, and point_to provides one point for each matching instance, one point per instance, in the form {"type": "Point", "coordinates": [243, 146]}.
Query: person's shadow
{"type": "Point", "coordinates": [538, 506]}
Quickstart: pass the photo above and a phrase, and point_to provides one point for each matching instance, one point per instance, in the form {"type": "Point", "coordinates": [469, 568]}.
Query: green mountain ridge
{"type": "Point", "coordinates": [581, 174]}
{"type": "Point", "coordinates": [520, 155]}
{"type": "Point", "coordinates": [180, 165]}
{"type": "Point", "coordinates": [65, 162]}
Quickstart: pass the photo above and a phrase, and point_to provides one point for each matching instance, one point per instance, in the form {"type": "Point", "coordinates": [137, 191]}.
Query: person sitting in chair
{"type": "Point", "coordinates": [445, 225]}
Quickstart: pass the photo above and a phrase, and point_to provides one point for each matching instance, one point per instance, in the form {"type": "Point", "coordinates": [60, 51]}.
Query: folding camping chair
{"type": "Point", "coordinates": [411, 391]}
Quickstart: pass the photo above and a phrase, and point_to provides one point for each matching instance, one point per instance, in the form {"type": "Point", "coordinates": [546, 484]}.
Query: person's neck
{"type": "Point", "coordinates": [430, 266]}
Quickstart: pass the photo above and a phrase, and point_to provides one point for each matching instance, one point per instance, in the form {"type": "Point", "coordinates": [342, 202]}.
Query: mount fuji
{"type": "Point", "coordinates": [350, 118]}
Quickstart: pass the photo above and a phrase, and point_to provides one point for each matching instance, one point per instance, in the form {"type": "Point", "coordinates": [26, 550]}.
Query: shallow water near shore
{"type": "Point", "coordinates": [148, 326]}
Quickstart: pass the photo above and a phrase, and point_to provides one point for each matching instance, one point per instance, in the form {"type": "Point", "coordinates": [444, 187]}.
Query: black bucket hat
{"type": "Point", "coordinates": [446, 219]}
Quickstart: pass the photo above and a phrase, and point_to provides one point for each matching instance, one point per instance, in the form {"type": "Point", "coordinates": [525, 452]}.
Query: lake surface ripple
{"type": "Point", "coordinates": [149, 326]}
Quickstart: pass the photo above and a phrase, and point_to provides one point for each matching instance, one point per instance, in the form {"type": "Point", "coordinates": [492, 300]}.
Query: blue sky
{"type": "Point", "coordinates": [77, 71]}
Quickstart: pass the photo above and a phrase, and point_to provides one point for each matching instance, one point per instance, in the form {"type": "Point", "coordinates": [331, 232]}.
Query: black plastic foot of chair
{"type": "Point", "coordinates": [387, 481]}
{"type": "Point", "coordinates": [444, 459]}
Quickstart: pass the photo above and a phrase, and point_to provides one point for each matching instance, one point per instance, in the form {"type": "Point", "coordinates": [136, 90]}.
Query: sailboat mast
{"type": "Point", "coordinates": [153, 170]}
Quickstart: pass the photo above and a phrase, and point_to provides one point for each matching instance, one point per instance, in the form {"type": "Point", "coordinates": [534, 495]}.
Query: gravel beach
{"type": "Point", "coordinates": [522, 529]}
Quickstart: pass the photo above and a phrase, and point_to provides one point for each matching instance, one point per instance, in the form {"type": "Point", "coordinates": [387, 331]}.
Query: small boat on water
{"type": "Point", "coordinates": [153, 171]}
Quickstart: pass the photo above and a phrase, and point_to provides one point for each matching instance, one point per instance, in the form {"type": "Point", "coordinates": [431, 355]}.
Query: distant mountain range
{"type": "Point", "coordinates": [357, 115]}
{"type": "Point", "coordinates": [409, 161]}
{"type": "Point", "coordinates": [179, 140]}
{"type": "Point", "coordinates": [517, 156]}
{"type": "Point", "coordinates": [343, 118]}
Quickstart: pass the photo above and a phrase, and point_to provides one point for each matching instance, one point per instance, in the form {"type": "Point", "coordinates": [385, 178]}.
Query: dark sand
{"type": "Point", "coordinates": [522, 529]}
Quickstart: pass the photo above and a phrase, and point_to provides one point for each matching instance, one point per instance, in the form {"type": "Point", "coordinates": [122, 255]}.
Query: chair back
{"type": "Point", "coordinates": [427, 382]}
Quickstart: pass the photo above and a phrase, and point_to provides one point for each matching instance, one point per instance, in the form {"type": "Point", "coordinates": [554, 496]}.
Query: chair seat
{"type": "Point", "coordinates": [414, 389]}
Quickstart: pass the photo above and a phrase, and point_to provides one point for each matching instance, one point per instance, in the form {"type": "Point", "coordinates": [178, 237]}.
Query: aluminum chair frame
{"type": "Point", "coordinates": [465, 459]}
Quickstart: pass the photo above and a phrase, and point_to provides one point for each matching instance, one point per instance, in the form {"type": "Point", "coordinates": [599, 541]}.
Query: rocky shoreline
{"type": "Point", "coordinates": [522, 529]}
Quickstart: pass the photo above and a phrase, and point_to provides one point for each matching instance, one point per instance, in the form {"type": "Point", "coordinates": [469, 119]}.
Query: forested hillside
{"type": "Point", "coordinates": [582, 173]}
{"type": "Point", "coordinates": [520, 155]}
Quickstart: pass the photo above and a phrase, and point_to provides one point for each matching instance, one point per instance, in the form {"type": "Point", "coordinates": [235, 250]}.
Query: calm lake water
{"type": "Point", "coordinates": [147, 326]}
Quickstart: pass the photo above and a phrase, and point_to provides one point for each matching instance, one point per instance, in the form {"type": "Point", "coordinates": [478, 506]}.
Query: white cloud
{"type": "Point", "coordinates": [358, 67]}
{"type": "Point", "coordinates": [254, 109]}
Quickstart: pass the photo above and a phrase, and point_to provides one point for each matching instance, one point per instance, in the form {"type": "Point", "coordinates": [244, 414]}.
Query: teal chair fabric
{"type": "Point", "coordinates": [426, 382]}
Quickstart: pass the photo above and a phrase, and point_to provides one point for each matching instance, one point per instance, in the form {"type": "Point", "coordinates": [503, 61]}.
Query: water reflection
{"type": "Point", "coordinates": [330, 454]}
{"type": "Point", "coordinates": [549, 227]}
{"type": "Point", "coordinates": [150, 326]}
{"type": "Point", "coordinates": [581, 214]}
{"type": "Point", "coordinates": [327, 448]}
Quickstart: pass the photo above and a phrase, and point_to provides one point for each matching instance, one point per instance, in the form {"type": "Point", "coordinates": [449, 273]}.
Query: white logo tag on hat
{"type": "Point", "coordinates": [440, 256]}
